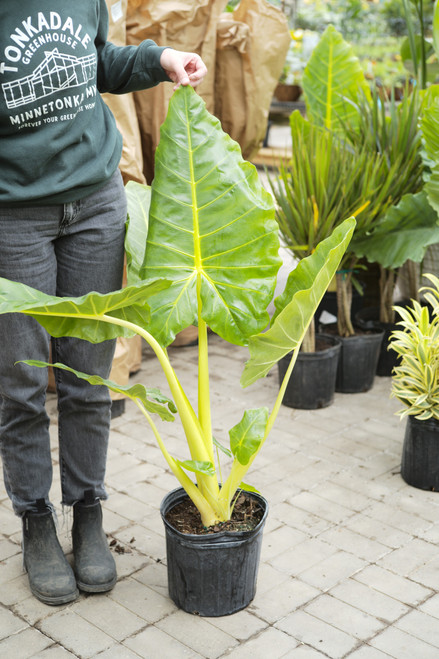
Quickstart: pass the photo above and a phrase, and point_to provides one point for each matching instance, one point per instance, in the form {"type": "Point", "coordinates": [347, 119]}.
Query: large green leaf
{"type": "Point", "coordinates": [429, 125]}
{"type": "Point", "coordinates": [152, 399]}
{"type": "Point", "coordinates": [332, 82]}
{"type": "Point", "coordinates": [297, 305]}
{"type": "Point", "coordinates": [82, 317]}
{"type": "Point", "coordinates": [430, 138]}
{"type": "Point", "coordinates": [211, 229]}
{"type": "Point", "coordinates": [247, 435]}
{"type": "Point", "coordinates": [431, 187]}
{"type": "Point", "coordinates": [404, 233]}
{"type": "Point", "coordinates": [138, 201]}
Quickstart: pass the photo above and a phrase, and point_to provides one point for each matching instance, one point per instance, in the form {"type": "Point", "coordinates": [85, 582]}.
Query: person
{"type": "Point", "coordinates": [62, 223]}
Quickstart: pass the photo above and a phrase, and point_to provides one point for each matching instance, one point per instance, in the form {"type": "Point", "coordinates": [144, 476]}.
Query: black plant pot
{"type": "Point", "coordinates": [368, 319]}
{"type": "Point", "coordinates": [312, 382]}
{"type": "Point", "coordinates": [358, 362]}
{"type": "Point", "coordinates": [215, 574]}
{"type": "Point", "coordinates": [420, 454]}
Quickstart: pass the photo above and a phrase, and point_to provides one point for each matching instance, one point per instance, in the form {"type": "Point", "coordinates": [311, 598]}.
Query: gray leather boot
{"type": "Point", "coordinates": [95, 568]}
{"type": "Point", "coordinates": [51, 578]}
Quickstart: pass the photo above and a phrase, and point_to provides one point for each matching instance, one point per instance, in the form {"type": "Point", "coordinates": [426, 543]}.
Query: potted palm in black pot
{"type": "Point", "coordinates": [415, 383]}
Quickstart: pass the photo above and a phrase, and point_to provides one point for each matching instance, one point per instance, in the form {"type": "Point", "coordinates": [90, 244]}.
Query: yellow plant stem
{"type": "Point", "coordinates": [238, 471]}
{"type": "Point", "coordinates": [208, 485]}
{"type": "Point", "coordinates": [204, 411]}
{"type": "Point", "coordinates": [208, 515]}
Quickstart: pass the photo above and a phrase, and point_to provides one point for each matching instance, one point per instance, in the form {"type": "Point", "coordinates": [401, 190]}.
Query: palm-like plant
{"type": "Point", "coordinates": [325, 180]}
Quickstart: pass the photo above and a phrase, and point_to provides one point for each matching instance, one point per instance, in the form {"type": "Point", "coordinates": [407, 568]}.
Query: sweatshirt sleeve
{"type": "Point", "coordinates": [123, 69]}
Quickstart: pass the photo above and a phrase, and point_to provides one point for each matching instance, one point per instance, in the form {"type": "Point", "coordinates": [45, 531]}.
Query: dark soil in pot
{"type": "Point", "coordinates": [247, 513]}
{"type": "Point", "coordinates": [213, 572]}
{"type": "Point", "coordinates": [312, 382]}
{"type": "Point", "coordinates": [420, 454]}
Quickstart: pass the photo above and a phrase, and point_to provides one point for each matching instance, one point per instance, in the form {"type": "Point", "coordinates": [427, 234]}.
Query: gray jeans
{"type": "Point", "coordinates": [65, 250]}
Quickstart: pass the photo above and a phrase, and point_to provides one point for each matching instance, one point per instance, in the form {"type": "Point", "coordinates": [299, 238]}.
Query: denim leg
{"type": "Point", "coordinates": [65, 250]}
{"type": "Point", "coordinates": [90, 257]}
{"type": "Point", "coordinates": [26, 255]}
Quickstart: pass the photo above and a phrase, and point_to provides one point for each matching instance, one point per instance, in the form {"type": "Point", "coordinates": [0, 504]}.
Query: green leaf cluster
{"type": "Point", "coordinates": [415, 381]}
{"type": "Point", "coordinates": [357, 154]}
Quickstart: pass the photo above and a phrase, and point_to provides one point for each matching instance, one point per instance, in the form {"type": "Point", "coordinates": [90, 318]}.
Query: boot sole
{"type": "Point", "coordinates": [55, 601]}
{"type": "Point", "coordinates": [96, 588]}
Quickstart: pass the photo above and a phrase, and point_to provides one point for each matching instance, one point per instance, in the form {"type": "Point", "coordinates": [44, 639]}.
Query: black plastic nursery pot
{"type": "Point", "coordinates": [420, 454]}
{"type": "Point", "coordinates": [367, 319]}
{"type": "Point", "coordinates": [213, 574]}
{"type": "Point", "coordinates": [358, 362]}
{"type": "Point", "coordinates": [312, 382]}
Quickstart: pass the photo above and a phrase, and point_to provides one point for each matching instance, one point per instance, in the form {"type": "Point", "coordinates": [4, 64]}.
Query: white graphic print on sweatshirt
{"type": "Point", "coordinates": [54, 70]}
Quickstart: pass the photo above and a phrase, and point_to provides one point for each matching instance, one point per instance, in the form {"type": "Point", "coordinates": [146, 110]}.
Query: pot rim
{"type": "Point", "coordinates": [334, 347]}
{"type": "Point", "coordinates": [432, 422]}
{"type": "Point", "coordinates": [372, 334]}
{"type": "Point", "coordinates": [177, 495]}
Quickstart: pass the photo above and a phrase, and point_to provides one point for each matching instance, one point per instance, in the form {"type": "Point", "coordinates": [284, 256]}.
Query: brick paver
{"type": "Point", "coordinates": [349, 560]}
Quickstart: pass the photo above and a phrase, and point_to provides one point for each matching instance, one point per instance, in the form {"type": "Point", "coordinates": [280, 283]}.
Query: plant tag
{"type": "Point", "coordinates": [116, 11]}
{"type": "Point", "coordinates": [327, 318]}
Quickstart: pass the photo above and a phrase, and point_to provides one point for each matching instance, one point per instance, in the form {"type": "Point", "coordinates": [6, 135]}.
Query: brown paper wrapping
{"type": "Point", "coordinates": [187, 26]}
{"type": "Point", "coordinates": [252, 44]}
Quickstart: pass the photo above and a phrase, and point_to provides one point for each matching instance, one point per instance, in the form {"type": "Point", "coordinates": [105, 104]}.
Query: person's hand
{"type": "Point", "coordinates": [183, 68]}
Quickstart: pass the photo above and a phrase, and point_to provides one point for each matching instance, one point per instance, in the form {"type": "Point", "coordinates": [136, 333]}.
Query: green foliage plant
{"type": "Point", "coordinates": [325, 180]}
{"type": "Point", "coordinates": [347, 156]}
{"type": "Point", "coordinates": [338, 98]}
{"type": "Point", "coordinates": [415, 381]}
{"type": "Point", "coordinates": [410, 224]}
{"type": "Point", "coordinates": [202, 248]}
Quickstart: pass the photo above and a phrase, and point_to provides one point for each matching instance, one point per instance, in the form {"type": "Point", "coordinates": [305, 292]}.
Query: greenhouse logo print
{"type": "Point", "coordinates": [55, 73]}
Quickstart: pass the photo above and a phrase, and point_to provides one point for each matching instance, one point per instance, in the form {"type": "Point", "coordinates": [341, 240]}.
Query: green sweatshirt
{"type": "Point", "coordinates": [58, 139]}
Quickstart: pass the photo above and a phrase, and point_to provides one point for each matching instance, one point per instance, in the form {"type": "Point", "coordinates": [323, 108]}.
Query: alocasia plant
{"type": "Point", "coordinates": [202, 249]}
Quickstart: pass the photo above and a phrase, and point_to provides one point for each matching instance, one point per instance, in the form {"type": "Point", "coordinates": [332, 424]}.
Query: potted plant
{"type": "Point", "coordinates": [324, 181]}
{"type": "Point", "coordinates": [288, 88]}
{"type": "Point", "coordinates": [209, 257]}
{"type": "Point", "coordinates": [338, 98]}
{"type": "Point", "coordinates": [409, 226]}
{"type": "Point", "coordinates": [415, 382]}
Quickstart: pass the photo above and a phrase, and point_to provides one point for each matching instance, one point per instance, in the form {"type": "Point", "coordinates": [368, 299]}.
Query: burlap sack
{"type": "Point", "coordinates": [252, 44]}
{"type": "Point", "coordinates": [187, 26]}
